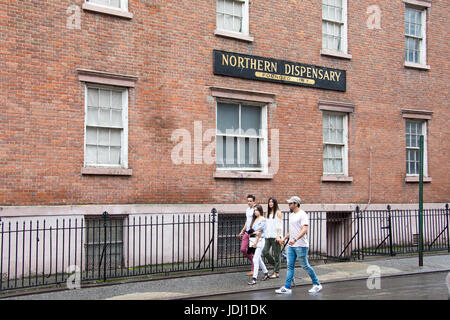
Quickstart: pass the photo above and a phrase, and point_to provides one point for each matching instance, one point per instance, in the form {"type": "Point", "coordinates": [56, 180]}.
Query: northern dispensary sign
{"type": "Point", "coordinates": [281, 71]}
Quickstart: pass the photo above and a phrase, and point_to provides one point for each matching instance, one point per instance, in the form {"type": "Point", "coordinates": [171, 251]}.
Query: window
{"type": "Point", "coordinates": [414, 35]}
{"type": "Point", "coordinates": [414, 129]}
{"type": "Point", "coordinates": [106, 126]}
{"type": "Point", "coordinates": [116, 4]}
{"type": "Point", "coordinates": [118, 8]}
{"type": "Point", "coordinates": [241, 136]}
{"type": "Point", "coordinates": [335, 143]}
{"type": "Point", "coordinates": [104, 245]}
{"type": "Point", "coordinates": [334, 25]}
{"type": "Point", "coordinates": [232, 19]}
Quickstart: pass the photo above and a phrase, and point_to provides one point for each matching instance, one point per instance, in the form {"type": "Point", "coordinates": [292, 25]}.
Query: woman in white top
{"type": "Point", "coordinates": [257, 235]}
{"type": "Point", "coordinates": [274, 224]}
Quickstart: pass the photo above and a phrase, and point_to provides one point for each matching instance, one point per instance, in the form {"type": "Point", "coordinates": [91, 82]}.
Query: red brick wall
{"type": "Point", "coordinates": [168, 45]}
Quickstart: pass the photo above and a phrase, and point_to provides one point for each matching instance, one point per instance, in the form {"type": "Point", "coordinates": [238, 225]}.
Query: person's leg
{"type": "Point", "coordinates": [303, 253]}
{"type": "Point", "coordinates": [266, 251]}
{"type": "Point", "coordinates": [244, 247]}
{"type": "Point", "coordinates": [276, 250]}
{"type": "Point", "coordinates": [291, 257]}
{"type": "Point", "coordinates": [256, 262]}
{"type": "Point", "coordinates": [261, 261]}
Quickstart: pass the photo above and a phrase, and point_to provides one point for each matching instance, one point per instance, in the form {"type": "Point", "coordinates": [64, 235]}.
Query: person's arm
{"type": "Point", "coordinates": [279, 227]}
{"type": "Point", "coordinates": [242, 231]}
{"type": "Point", "coordinates": [258, 235]}
{"type": "Point", "coordinates": [302, 233]}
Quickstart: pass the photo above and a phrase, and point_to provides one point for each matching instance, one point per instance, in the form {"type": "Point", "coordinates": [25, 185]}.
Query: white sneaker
{"type": "Point", "coordinates": [316, 288]}
{"type": "Point", "coordinates": [283, 290]}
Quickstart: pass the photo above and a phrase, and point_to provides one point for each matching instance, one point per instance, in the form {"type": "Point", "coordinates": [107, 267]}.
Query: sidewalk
{"type": "Point", "coordinates": [211, 284]}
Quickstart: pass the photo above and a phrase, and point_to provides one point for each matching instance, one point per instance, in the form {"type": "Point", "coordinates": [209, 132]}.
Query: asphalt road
{"type": "Point", "coordinates": [425, 286]}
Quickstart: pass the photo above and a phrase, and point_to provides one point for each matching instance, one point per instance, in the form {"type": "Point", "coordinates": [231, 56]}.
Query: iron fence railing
{"type": "Point", "coordinates": [38, 252]}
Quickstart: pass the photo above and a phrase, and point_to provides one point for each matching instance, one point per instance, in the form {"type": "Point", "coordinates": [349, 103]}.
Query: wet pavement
{"type": "Point", "coordinates": [334, 276]}
{"type": "Point", "coordinates": [428, 286]}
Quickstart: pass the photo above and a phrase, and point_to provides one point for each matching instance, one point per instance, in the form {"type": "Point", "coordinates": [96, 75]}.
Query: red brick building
{"type": "Point", "coordinates": [117, 104]}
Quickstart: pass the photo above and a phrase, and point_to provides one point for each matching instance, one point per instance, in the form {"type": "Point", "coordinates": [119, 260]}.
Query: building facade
{"type": "Point", "coordinates": [175, 106]}
{"type": "Point", "coordinates": [157, 111]}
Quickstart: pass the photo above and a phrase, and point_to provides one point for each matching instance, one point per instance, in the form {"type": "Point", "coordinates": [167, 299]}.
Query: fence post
{"type": "Point", "coordinates": [357, 226]}
{"type": "Point", "coordinates": [446, 215]}
{"type": "Point", "coordinates": [390, 231]}
{"type": "Point", "coordinates": [421, 155]}
{"type": "Point", "coordinates": [213, 213]}
{"type": "Point", "coordinates": [105, 216]}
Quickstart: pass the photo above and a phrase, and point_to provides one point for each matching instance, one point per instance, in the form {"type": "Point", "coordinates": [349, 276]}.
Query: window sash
{"type": "Point", "coordinates": [412, 161]}
{"type": "Point", "coordinates": [415, 34]}
{"type": "Point", "coordinates": [333, 129]}
{"type": "Point", "coordinates": [105, 126]}
{"type": "Point", "coordinates": [238, 153]}
{"type": "Point", "coordinates": [238, 148]}
{"type": "Point", "coordinates": [331, 36]}
{"type": "Point", "coordinates": [334, 25]}
{"type": "Point", "coordinates": [333, 159]}
{"type": "Point", "coordinates": [413, 49]}
{"type": "Point", "coordinates": [333, 10]}
{"type": "Point", "coordinates": [413, 22]}
{"type": "Point", "coordinates": [335, 148]}
{"type": "Point", "coordinates": [232, 15]}
{"type": "Point", "coordinates": [414, 129]}
{"type": "Point", "coordinates": [115, 4]}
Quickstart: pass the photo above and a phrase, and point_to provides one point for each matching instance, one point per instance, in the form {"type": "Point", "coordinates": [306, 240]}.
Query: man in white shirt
{"type": "Point", "coordinates": [243, 235]}
{"type": "Point", "coordinates": [298, 246]}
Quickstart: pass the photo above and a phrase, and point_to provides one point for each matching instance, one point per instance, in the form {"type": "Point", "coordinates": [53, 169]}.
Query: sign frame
{"type": "Point", "coordinates": [279, 71]}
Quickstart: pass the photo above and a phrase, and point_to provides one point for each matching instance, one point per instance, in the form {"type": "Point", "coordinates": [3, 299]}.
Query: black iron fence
{"type": "Point", "coordinates": [68, 251]}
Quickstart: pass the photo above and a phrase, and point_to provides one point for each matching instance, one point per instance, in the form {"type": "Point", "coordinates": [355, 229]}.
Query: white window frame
{"type": "Point", "coordinates": [245, 33]}
{"type": "Point", "coordinates": [263, 137]}
{"type": "Point", "coordinates": [423, 39]}
{"type": "Point", "coordinates": [343, 53]}
{"type": "Point", "coordinates": [425, 153]}
{"type": "Point", "coordinates": [124, 136]}
{"type": "Point", "coordinates": [422, 6]}
{"type": "Point", "coordinates": [345, 144]}
{"type": "Point", "coordinates": [123, 5]}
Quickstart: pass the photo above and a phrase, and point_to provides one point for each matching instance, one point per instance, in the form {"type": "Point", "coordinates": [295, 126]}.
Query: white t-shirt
{"type": "Point", "coordinates": [296, 221]}
{"type": "Point", "coordinates": [249, 216]}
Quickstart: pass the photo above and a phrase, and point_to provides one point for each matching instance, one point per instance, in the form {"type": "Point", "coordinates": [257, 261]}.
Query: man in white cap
{"type": "Point", "coordinates": [298, 246]}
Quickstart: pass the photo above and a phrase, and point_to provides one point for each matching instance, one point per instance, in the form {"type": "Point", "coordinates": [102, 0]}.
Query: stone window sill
{"type": "Point", "coordinates": [415, 179]}
{"type": "Point", "coordinates": [336, 54]}
{"type": "Point", "coordinates": [106, 171]}
{"type": "Point", "coordinates": [337, 179]}
{"type": "Point", "coordinates": [241, 175]}
{"type": "Point", "coordinates": [105, 10]}
{"type": "Point", "coordinates": [234, 35]}
{"type": "Point", "coordinates": [416, 66]}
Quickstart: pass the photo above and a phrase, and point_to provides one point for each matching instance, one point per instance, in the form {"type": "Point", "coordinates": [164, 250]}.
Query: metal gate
{"type": "Point", "coordinates": [392, 232]}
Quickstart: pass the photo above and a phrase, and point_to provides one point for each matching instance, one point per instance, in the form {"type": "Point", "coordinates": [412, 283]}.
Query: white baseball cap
{"type": "Point", "coordinates": [294, 199]}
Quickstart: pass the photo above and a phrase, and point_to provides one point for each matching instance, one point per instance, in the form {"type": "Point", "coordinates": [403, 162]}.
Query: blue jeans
{"type": "Point", "coordinates": [292, 255]}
